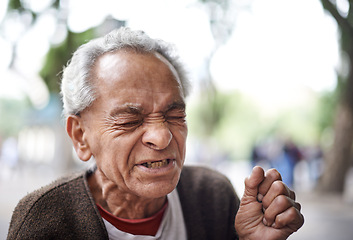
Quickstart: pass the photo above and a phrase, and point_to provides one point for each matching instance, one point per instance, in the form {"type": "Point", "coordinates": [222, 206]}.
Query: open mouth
{"type": "Point", "coordinates": [156, 164]}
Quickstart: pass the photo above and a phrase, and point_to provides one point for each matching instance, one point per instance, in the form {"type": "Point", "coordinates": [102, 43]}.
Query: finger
{"type": "Point", "coordinates": [271, 175]}
{"type": "Point", "coordinates": [291, 218]}
{"type": "Point", "coordinates": [279, 205]}
{"type": "Point", "coordinates": [276, 189]}
{"type": "Point", "coordinates": [252, 182]}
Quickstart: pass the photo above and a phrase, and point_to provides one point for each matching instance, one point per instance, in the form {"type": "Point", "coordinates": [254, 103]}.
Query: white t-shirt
{"type": "Point", "coordinates": [172, 226]}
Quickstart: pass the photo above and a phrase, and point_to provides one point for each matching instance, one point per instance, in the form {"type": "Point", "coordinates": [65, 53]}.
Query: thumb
{"type": "Point", "coordinates": [252, 182]}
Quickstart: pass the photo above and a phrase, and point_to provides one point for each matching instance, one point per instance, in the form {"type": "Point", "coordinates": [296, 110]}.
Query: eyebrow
{"type": "Point", "coordinates": [129, 108]}
{"type": "Point", "coordinates": [179, 105]}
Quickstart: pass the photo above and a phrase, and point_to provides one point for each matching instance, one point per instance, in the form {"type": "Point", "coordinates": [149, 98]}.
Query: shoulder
{"type": "Point", "coordinates": [199, 176]}
{"type": "Point", "coordinates": [42, 211]}
{"type": "Point", "coordinates": [70, 183]}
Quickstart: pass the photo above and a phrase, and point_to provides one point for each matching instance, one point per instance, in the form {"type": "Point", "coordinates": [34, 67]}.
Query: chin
{"type": "Point", "coordinates": [157, 190]}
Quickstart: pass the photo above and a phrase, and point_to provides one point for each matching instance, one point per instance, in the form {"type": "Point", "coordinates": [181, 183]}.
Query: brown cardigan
{"type": "Point", "coordinates": [65, 209]}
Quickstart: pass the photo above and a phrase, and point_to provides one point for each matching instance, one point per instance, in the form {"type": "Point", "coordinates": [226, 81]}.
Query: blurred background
{"type": "Point", "coordinates": [272, 86]}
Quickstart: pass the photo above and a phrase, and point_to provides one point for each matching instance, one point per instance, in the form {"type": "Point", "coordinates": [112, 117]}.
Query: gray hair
{"type": "Point", "coordinates": [78, 91]}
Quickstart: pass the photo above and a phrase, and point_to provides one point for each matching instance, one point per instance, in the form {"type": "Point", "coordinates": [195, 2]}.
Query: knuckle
{"type": "Point", "coordinates": [279, 187]}
{"type": "Point", "coordinates": [281, 201]}
{"type": "Point", "coordinates": [279, 222]}
{"type": "Point", "coordinates": [292, 213]}
{"type": "Point", "coordinates": [266, 202]}
{"type": "Point", "coordinates": [269, 215]}
{"type": "Point", "coordinates": [274, 174]}
{"type": "Point", "coordinates": [290, 216]}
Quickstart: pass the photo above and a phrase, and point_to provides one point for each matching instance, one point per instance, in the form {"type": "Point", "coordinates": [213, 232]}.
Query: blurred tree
{"type": "Point", "coordinates": [11, 122]}
{"type": "Point", "coordinates": [339, 157]}
{"type": "Point", "coordinates": [222, 17]}
{"type": "Point", "coordinates": [61, 52]}
{"type": "Point", "coordinates": [58, 56]}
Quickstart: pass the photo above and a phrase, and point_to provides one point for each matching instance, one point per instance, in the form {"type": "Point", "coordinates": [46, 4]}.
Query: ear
{"type": "Point", "coordinates": [76, 131]}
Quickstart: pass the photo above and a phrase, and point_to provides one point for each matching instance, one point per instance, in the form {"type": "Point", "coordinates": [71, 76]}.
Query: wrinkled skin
{"type": "Point", "coordinates": [137, 120]}
{"type": "Point", "coordinates": [268, 209]}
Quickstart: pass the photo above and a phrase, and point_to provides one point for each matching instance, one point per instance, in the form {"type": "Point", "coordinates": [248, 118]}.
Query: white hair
{"type": "Point", "coordinates": [77, 88]}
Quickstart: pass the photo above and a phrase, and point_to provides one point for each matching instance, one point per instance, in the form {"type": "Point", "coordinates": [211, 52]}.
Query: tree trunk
{"type": "Point", "coordinates": [338, 158]}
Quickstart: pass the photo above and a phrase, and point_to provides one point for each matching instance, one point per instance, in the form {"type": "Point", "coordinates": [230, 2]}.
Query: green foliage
{"type": "Point", "coordinates": [15, 4]}
{"type": "Point", "coordinates": [299, 123]}
{"type": "Point", "coordinates": [239, 121]}
{"type": "Point", "coordinates": [12, 114]}
{"type": "Point", "coordinates": [58, 56]}
{"type": "Point", "coordinates": [228, 118]}
{"type": "Point", "coordinates": [210, 112]}
{"type": "Point", "coordinates": [326, 109]}
{"type": "Point", "coordinates": [56, 4]}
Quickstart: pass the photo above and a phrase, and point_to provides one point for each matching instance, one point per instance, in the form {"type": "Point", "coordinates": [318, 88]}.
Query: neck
{"type": "Point", "coordinates": [120, 202]}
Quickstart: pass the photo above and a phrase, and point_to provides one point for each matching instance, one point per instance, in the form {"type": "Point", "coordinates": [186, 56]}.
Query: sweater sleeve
{"type": "Point", "coordinates": [209, 204]}
{"type": "Point", "coordinates": [62, 210]}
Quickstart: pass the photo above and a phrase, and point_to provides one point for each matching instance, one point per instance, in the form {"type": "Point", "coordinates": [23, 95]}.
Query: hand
{"type": "Point", "coordinates": [267, 209]}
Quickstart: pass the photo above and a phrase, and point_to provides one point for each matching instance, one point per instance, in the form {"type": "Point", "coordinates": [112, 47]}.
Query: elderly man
{"type": "Point", "coordinates": [124, 102]}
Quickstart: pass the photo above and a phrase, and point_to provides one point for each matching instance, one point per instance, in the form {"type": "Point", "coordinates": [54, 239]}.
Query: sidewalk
{"type": "Point", "coordinates": [326, 216]}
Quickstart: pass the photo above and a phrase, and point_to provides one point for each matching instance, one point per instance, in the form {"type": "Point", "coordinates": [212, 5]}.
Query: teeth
{"type": "Point", "coordinates": [157, 164]}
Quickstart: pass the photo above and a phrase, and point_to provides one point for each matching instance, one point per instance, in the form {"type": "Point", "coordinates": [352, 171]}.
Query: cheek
{"type": "Point", "coordinates": [113, 161]}
{"type": "Point", "coordinates": [183, 132]}
{"type": "Point", "coordinates": [126, 149]}
{"type": "Point", "coordinates": [115, 151]}
{"type": "Point", "coordinates": [180, 134]}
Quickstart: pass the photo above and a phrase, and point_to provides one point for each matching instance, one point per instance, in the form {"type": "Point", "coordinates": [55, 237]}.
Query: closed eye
{"type": "Point", "coordinates": [129, 125]}
{"type": "Point", "coordinates": [176, 118]}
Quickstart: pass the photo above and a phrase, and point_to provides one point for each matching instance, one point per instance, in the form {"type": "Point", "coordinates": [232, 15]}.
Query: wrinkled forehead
{"type": "Point", "coordinates": [120, 60]}
{"type": "Point", "coordinates": [170, 66]}
{"type": "Point", "coordinates": [123, 74]}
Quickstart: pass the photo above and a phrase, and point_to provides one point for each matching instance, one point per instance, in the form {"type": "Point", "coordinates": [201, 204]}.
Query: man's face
{"type": "Point", "coordinates": [136, 128]}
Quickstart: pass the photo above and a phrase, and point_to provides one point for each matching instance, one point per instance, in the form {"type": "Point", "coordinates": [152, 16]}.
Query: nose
{"type": "Point", "coordinates": [157, 135]}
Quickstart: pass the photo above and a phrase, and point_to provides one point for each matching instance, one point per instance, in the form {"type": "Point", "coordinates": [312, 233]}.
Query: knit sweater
{"type": "Point", "coordinates": [65, 209]}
